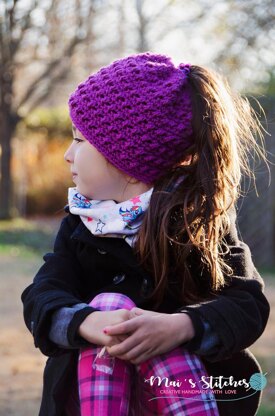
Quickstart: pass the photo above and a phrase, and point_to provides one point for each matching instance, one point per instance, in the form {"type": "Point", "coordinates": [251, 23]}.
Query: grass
{"type": "Point", "coordinates": [266, 411]}
{"type": "Point", "coordinates": [268, 270]}
{"type": "Point", "coordinates": [24, 237]}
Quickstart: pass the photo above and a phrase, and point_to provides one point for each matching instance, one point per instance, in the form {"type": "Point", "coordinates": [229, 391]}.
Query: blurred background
{"type": "Point", "coordinates": [46, 48]}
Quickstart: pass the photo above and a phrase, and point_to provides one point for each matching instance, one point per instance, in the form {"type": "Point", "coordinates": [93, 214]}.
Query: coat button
{"type": "Point", "coordinates": [144, 285]}
{"type": "Point", "coordinates": [118, 278]}
{"type": "Point", "coordinates": [101, 251]}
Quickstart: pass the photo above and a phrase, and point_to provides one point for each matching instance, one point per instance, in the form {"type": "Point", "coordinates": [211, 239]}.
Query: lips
{"type": "Point", "coordinates": [74, 175]}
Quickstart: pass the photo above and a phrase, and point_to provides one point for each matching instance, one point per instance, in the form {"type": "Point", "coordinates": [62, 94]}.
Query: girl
{"type": "Point", "coordinates": [148, 263]}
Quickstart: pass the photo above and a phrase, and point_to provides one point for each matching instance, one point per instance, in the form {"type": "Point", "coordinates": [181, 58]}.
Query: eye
{"type": "Point", "coordinates": [77, 140]}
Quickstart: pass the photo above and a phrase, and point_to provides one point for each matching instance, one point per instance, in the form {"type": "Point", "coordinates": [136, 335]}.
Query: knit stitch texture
{"type": "Point", "coordinates": [137, 113]}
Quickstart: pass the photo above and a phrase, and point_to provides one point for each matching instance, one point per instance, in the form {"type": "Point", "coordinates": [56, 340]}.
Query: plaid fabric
{"type": "Point", "coordinates": [179, 366]}
{"type": "Point", "coordinates": [112, 301]}
{"type": "Point", "coordinates": [127, 390]}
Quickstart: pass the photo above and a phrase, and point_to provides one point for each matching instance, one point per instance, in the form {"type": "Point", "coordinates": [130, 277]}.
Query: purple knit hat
{"type": "Point", "coordinates": [137, 113]}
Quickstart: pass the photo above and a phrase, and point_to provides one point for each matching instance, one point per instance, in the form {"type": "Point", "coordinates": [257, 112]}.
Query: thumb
{"type": "Point", "coordinates": [136, 312]}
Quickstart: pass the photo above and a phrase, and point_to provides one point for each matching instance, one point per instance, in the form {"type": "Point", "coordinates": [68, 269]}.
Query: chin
{"type": "Point", "coordinates": [83, 192]}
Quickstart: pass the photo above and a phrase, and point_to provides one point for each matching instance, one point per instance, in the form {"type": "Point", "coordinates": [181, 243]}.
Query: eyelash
{"type": "Point", "coordinates": [77, 140]}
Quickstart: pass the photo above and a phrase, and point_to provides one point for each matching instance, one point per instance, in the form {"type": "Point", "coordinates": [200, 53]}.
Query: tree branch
{"type": "Point", "coordinates": [48, 71]}
{"type": "Point", "coordinates": [14, 44]}
{"type": "Point", "coordinates": [53, 82]}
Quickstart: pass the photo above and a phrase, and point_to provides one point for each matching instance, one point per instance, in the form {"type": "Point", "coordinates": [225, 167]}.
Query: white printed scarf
{"type": "Point", "coordinates": [108, 218]}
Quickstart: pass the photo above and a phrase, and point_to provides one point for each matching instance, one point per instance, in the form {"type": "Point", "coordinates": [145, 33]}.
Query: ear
{"type": "Point", "coordinates": [187, 160]}
{"type": "Point", "coordinates": [132, 180]}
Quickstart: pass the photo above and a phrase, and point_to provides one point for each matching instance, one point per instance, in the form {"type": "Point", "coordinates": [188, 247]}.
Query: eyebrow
{"type": "Point", "coordinates": [73, 129]}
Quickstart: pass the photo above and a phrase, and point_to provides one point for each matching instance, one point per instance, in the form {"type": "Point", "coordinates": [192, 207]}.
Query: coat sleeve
{"type": "Point", "coordinates": [239, 313]}
{"type": "Point", "coordinates": [55, 285]}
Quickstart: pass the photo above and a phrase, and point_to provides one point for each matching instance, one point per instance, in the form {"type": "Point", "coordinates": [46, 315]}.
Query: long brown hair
{"type": "Point", "coordinates": [193, 217]}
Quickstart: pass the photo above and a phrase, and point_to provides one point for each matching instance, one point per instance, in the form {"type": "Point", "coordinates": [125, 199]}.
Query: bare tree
{"type": "Point", "coordinates": [154, 26]}
{"type": "Point", "coordinates": [45, 34]}
{"type": "Point", "coordinates": [240, 33]}
{"type": "Point", "coordinates": [246, 29]}
{"type": "Point", "coordinates": [41, 40]}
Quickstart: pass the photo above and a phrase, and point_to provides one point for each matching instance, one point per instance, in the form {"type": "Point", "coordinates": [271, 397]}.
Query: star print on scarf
{"type": "Point", "coordinates": [107, 218]}
{"type": "Point", "coordinates": [98, 225]}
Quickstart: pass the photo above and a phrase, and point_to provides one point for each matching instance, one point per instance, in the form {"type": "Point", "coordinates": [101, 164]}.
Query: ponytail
{"type": "Point", "coordinates": [188, 211]}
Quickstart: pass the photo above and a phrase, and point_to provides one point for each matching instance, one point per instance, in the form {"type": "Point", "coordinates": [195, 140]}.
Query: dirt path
{"type": "Point", "coordinates": [22, 364]}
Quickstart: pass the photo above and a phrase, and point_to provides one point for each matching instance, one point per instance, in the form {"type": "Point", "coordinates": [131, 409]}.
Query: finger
{"type": "Point", "coordinates": [124, 347]}
{"type": "Point", "coordinates": [121, 338]}
{"type": "Point", "coordinates": [138, 355]}
{"type": "Point", "coordinates": [123, 328]}
{"type": "Point", "coordinates": [144, 355]}
{"type": "Point", "coordinates": [140, 359]}
{"type": "Point", "coordinates": [132, 353]}
{"type": "Point", "coordinates": [136, 312]}
{"type": "Point", "coordinates": [114, 340]}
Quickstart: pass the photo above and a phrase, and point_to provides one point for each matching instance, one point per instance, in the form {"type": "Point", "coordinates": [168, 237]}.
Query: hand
{"type": "Point", "coordinates": [150, 334]}
{"type": "Point", "coordinates": [92, 327]}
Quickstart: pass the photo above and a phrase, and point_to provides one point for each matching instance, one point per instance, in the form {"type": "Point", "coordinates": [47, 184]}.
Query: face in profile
{"type": "Point", "coordinates": [92, 174]}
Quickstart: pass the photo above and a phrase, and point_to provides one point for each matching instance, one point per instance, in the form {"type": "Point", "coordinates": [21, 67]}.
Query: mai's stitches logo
{"type": "Point", "coordinates": [207, 384]}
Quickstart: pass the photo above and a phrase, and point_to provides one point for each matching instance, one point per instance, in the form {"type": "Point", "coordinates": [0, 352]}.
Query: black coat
{"type": "Point", "coordinates": [83, 265]}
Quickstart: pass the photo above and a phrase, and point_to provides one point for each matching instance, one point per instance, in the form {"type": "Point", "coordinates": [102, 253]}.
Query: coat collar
{"type": "Point", "coordinates": [115, 246]}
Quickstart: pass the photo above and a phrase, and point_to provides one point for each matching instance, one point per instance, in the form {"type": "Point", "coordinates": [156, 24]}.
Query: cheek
{"type": "Point", "coordinates": [89, 167]}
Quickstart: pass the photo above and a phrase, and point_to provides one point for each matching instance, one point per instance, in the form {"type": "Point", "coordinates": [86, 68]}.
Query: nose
{"type": "Point", "coordinates": [68, 155]}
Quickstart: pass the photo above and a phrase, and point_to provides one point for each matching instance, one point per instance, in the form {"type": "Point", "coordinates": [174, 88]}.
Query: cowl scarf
{"type": "Point", "coordinates": [107, 218]}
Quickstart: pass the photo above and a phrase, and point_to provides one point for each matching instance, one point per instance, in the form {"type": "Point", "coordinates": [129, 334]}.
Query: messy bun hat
{"type": "Point", "coordinates": [137, 113]}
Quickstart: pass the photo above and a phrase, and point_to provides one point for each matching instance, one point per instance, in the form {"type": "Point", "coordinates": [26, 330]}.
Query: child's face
{"type": "Point", "coordinates": [94, 177]}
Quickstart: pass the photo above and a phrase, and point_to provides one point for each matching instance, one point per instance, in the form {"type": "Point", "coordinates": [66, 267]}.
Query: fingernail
{"type": "Point", "coordinates": [105, 331]}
